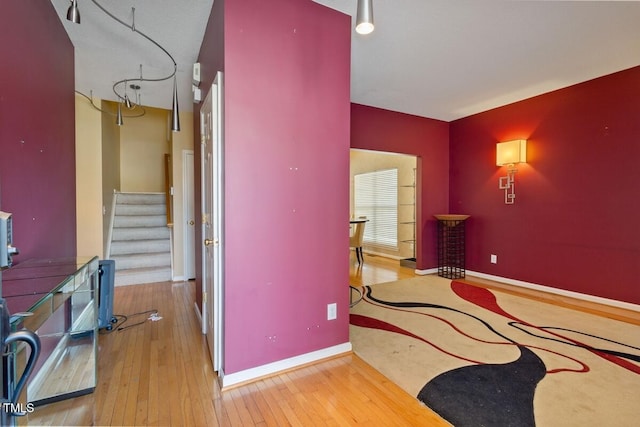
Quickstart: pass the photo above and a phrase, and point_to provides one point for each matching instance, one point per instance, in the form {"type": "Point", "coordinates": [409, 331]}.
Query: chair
{"type": "Point", "coordinates": [355, 240]}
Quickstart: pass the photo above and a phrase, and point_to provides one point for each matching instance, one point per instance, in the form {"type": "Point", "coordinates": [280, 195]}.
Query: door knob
{"type": "Point", "coordinates": [192, 222]}
{"type": "Point", "coordinates": [208, 242]}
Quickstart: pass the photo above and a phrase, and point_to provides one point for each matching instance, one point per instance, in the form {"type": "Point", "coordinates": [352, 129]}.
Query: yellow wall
{"type": "Point", "coordinates": [143, 143]}
{"type": "Point", "coordinates": [112, 158]}
{"type": "Point", "coordinates": [88, 179]}
{"type": "Point", "coordinates": [110, 164]}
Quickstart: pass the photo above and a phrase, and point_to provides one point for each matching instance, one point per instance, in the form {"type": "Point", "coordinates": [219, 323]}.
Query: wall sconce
{"type": "Point", "coordinates": [510, 153]}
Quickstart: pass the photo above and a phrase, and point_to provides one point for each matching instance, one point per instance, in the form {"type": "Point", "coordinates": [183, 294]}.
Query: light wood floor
{"type": "Point", "coordinates": [159, 373]}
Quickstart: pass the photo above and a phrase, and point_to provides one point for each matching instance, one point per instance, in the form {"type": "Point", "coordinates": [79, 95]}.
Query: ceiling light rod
{"type": "Point", "coordinates": [135, 30]}
{"type": "Point", "coordinates": [90, 99]}
{"type": "Point", "coordinates": [72, 14]}
{"type": "Point", "coordinates": [175, 118]}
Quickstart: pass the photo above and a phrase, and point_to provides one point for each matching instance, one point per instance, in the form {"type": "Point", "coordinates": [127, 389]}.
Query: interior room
{"type": "Point", "coordinates": [240, 128]}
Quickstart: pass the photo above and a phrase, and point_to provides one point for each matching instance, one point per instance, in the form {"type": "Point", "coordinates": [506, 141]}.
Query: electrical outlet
{"type": "Point", "coordinates": [494, 259]}
{"type": "Point", "coordinates": [332, 311]}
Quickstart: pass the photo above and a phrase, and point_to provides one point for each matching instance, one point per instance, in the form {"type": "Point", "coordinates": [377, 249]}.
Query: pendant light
{"type": "Point", "coordinates": [364, 17]}
{"type": "Point", "coordinates": [119, 120]}
{"type": "Point", "coordinates": [175, 115]}
{"type": "Point", "coordinates": [73, 14]}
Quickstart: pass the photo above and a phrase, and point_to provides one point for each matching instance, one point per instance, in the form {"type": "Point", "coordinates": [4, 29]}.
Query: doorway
{"type": "Point", "coordinates": [397, 230]}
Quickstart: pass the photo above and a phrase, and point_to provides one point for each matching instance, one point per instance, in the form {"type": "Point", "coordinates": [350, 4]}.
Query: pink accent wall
{"type": "Point", "coordinates": [287, 89]}
{"type": "Point", "coordinates": [574, 224]}
{"type": "Point", "coordinates": [37, 129]}
{"type": "Point", "coordinates": [428, 139]}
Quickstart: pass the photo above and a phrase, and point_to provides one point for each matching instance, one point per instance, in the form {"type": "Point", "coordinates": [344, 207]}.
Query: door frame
{"type": "Point", "coordinates": [188, 214]}
{"type": "Point", "coordinates": [212, 301]}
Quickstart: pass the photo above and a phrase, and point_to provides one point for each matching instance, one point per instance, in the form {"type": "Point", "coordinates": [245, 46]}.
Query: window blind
{"type": "Point", "coordinates": [376, 197]}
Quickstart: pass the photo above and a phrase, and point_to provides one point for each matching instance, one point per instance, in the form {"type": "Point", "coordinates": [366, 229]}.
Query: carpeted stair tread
{"type": "Point", "coordinates": [141, 198]}
{"type": "Point", "coordinates": [125, 262]}
{"type": "Point", "coordinates": [140, 239]}
{"type": "Point", "coordinates": [140, 233]}
{"type": "Point", "coordinates": [142, 275]}
{"type": "Point", "coordinates": [129, 221]}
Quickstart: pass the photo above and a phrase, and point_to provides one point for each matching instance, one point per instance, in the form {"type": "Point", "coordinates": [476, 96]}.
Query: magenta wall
{"type": "Point", "coordinates": [287, 77]}
{"type": "Point", "coordinates": [37, 129]}
{"type": "Point", "coordinates": [428, 139]}
{"type": "Point", "coordinates": [574, 224]}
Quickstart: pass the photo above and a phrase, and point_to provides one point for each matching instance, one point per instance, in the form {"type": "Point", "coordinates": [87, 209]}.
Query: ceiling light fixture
{"type": "Point", "coordinates": [175, 120]}
{"type": "Point", "coordinates": [73, 14]}
{"type": "Point", "coordinates": [175, 115]}
{"type": "Point", "coordinates": [364, 17]}
{"type": "Point", "coordinates": [119, 120]}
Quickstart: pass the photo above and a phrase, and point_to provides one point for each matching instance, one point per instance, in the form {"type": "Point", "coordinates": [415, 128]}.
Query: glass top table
{"type": "Point", "coordinates": [56, 299]}
{"type": "Point", "coordinates": [30, 284]}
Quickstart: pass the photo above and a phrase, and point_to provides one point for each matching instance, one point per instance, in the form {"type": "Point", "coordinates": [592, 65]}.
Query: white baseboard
{"type": "Point", "coordinates": [253, 374]}
{"type": "Point", "coordinates": [556, 291]}
{"type": "Point", "coordinates": [178, 279]}
{"type": "Point", "coordinates": [425, 272]}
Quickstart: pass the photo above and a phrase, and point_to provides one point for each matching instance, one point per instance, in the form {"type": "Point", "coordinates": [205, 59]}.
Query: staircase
{"type": "Point", "coordinates": [141, 240]}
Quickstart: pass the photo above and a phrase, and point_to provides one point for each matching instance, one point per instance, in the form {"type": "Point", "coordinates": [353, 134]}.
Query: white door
{"type": "Point", "coordinates": [188, 215]}
{"type": "Point", "coordinates": [212, 221]}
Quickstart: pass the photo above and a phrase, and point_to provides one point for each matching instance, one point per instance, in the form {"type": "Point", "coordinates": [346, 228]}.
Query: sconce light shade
{"type": "Point", "coordinates": [511, 152]}
{"type": "Point", "coordinates": [73, 14]}
{"type": "Point", "coordinates": [364, 17]}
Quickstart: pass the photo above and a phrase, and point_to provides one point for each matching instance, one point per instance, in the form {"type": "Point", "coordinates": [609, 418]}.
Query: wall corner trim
{"type": "Point", "coordinates": [254, 374]}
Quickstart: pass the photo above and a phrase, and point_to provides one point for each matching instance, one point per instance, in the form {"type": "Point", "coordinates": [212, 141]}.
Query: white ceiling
{"type": "Point", "coordinates": [443, 59]}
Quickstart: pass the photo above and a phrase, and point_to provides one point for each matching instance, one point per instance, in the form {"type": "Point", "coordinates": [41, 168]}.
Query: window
{"type": "Point", "coordinates": [376, 197]}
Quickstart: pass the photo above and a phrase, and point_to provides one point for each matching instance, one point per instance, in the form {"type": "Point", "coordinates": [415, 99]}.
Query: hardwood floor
{"type": "Point", "coordinates": [376, 269]}
{"type": "Point", "coordinates": [159, 373]}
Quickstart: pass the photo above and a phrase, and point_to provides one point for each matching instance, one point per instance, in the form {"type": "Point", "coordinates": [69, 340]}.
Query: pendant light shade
{"type": "Point", "coordinates": [364, 17]}
{"type": "Point", "coordinates": [119, 120]}
{"type": "Point", "coordinates": [73, 14]}
{"type": "Point", "coordinates": [175, 114]}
